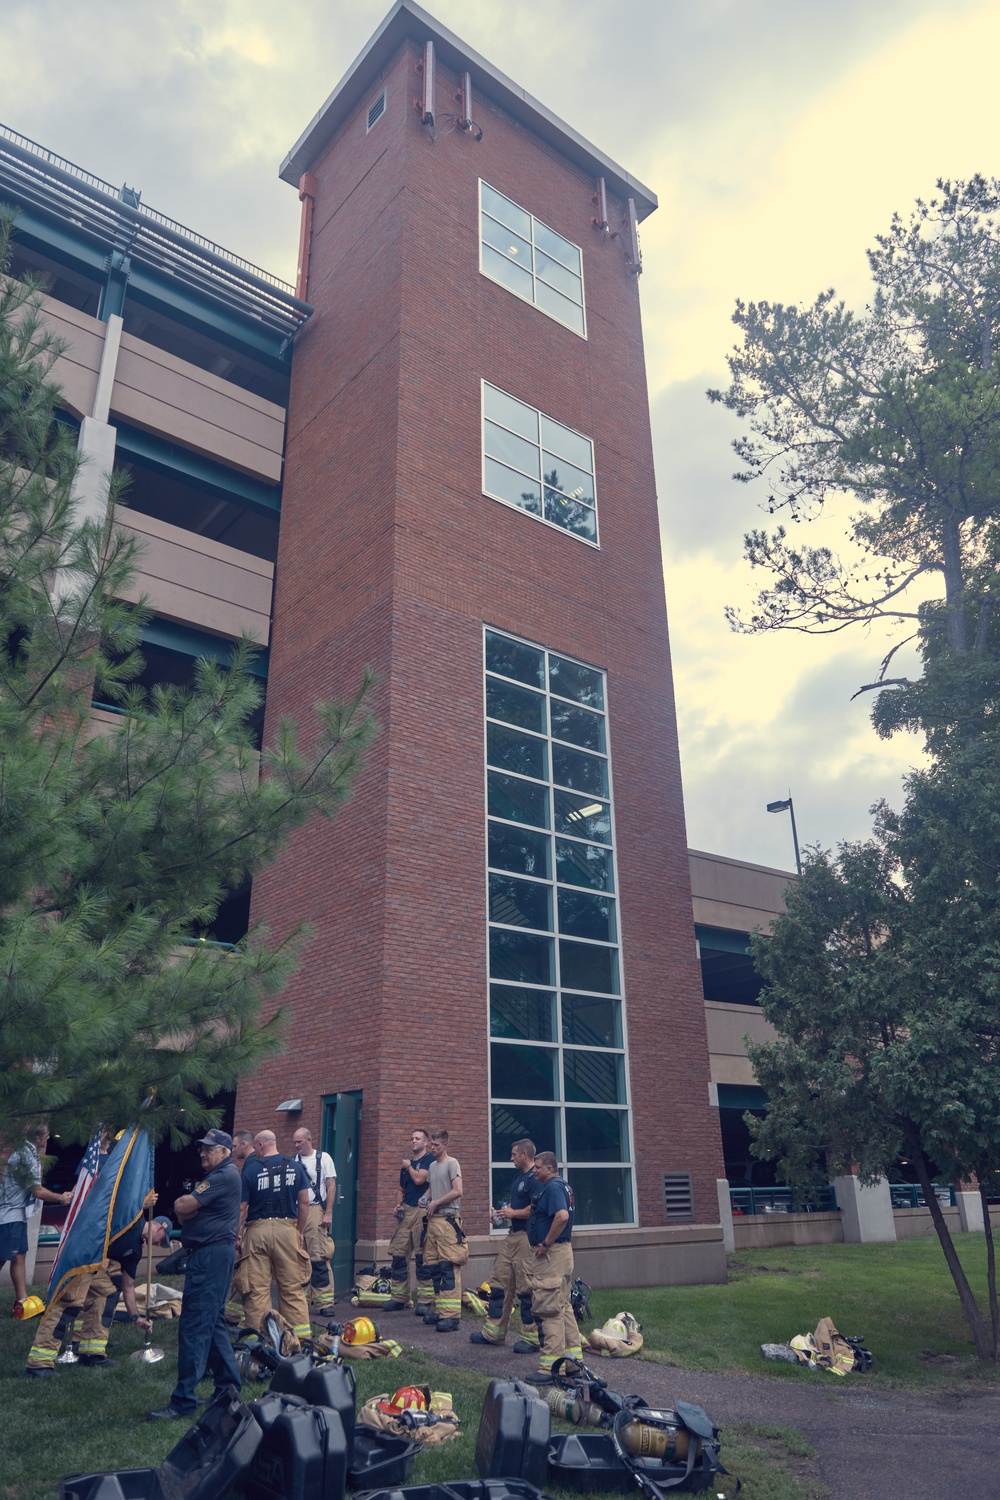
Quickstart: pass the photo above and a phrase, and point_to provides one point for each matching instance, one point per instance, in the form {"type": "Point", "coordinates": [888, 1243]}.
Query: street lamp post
{"type": "Point", "coordinates": [784, 805]}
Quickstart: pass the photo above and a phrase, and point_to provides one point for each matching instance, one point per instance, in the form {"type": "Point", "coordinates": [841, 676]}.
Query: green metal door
{"type": "Point", "coordinates": [341, 1124]}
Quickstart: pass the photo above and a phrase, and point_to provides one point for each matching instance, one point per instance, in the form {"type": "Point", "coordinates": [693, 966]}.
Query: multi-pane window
{"type": "Point", "coordinates": [536, 463]}
{"type": "Point", "coordinates": [530, 259]}
{"type": "Point", "coordinates": [557, 1031]}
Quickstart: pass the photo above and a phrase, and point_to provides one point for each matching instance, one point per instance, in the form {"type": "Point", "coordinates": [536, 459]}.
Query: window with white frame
{"type": "Point", "coordinates": [538, 464]}
{"type": "Point", "coordinates": [530, 259]}
{"type": "Point", "coordinates": [558, 1068]}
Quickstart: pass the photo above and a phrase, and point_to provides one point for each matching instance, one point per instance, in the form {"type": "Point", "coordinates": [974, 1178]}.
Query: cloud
{"type": "Point", "coordinates": [701, 506]}
{"type": "Point", "coordinates": [780, 136]}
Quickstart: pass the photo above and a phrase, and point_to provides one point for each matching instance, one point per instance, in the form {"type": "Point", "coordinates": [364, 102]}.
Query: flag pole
{"type": "Point", "coordinates": [148, 1355]}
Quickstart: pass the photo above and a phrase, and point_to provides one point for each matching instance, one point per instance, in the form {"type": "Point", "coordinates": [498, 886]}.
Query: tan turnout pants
{"type": "Point", "coordinates": [86, 1292]}
{"type": "Point", "coordinates": [512, 1271]}
{"type": "Point", "coordinates": [551, 1279]}
{"type": "Point", "coordinates": [271, 1251]}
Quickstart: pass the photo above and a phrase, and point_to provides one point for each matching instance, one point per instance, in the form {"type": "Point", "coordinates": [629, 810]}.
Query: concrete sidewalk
{"type": "Point", "coordinates": [871, 1444]}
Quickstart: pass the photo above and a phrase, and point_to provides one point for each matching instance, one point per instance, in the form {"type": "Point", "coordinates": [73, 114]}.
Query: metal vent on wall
{"type": "Point", "coordinates": [678, 1196]}
{"type": "Point", "coordinates": [375, 110]}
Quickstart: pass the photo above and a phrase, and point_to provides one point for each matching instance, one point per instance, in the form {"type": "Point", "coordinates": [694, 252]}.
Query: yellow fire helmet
{"type": "Point", "coordinates": [30, 1308]}
{"type": "Point", "coordinates": [484, 1289]}
{"type": "Point", "coordinates": [360, 1331]}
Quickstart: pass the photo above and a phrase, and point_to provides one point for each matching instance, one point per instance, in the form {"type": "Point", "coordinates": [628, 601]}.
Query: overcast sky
{"type": "Point", "coordinates": [779, 136]}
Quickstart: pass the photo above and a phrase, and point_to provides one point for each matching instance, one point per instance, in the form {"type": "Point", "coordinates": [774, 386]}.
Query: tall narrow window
{"type": "Point", "coordinates": [558, 1069]}
{"type": "Point", "coordinates": [530, 259]}
{"type": "Point", "coordinates": [538, 464]}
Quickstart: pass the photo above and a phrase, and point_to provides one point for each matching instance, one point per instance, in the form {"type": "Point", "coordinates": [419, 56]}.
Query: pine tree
{"type": "Point", "coordinates": [117, 846]}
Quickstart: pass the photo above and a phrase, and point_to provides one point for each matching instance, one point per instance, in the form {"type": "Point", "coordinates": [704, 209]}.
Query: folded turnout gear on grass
{"type": "Point", "coordinates": [620, 1337]}
{"type": "Point", "coordinates": [372, 1289]}
{"type": "Point", "coordinates": [402, 1415]}
{"type": "Point", "coordinates": [164, 1301]}
{"type": "Point", "coordinates": [827, 1349]}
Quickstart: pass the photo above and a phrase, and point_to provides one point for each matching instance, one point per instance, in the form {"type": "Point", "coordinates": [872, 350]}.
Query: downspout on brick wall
{"type": "Point", "coordinates": [307, 197]}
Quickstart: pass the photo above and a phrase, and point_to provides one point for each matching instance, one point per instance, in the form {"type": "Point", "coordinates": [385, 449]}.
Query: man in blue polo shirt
{"type": "Point", "coordinates": [210, 1217]}
{"type": "Point", "coordinates": [550, 1233]}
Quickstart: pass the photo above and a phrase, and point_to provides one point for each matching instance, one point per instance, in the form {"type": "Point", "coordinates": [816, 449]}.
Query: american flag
{"type": "Point", "coordinates": [85, 1179]}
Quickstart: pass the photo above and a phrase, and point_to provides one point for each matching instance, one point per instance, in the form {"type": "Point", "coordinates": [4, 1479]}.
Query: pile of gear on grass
{"type": "Point", "coordinates": [307, 1438]}
{"type": "Point", "coordinates": [619, 1337]}
{"type": "Point", "coordinates": [826, 1349]}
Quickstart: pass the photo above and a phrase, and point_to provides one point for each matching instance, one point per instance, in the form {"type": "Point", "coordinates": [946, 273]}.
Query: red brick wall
{"type": "Point", "coordinates": [391, 555]}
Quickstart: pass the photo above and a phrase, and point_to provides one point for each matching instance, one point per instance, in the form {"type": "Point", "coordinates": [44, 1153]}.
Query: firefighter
{"type": "Point", "coordinates": [322, 1174]}
{"type": "Point", "coordinates": [83, 1301]}
{"type": "Point", "coordinates": [445, 1250]}
{"type": "Point", "coordinates": [550, 1233]}
{"type": "Point", "coordinates": [272, 1235]}
{"type": "Point", "coordinates": [512, 1267]}
{"type": "Point", "coordinates": [405, 1243]}
{"type": "Point", "coordinates": [235, 1316]}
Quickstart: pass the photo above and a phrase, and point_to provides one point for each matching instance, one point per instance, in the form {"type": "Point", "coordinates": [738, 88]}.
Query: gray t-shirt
{"type": "Point", "coordinates": [441, 1176]}
{"type": "Point", "coordinates": [23, 1166]}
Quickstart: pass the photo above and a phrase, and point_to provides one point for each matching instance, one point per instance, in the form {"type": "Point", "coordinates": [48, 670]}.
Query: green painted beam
{"type": "Point", "coordinates": [190, 642]}
{"type": "Point", "coordinates": [722, 940]}
{"type": "Point", "coordinates": [741, 1096]}
{"type": "Point", "coordinates": [178, 462]}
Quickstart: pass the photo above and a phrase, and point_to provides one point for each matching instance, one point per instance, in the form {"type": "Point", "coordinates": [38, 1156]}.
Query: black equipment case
{"type": "Point", "coordinates": [513, 1437]}
{"type": "Point", "coordinates": [211, 1456]}
{"type": "Point", "coordinates": [380, 1459]}
{"type": "Point", "coordinates": [324, 1382]}
{"type": "Point", "coordinates": [588, 1461]}
{"type": "Point", "coordinates": [303, 1451]}
{"type": "Point", "coordinates": [462, 1489]}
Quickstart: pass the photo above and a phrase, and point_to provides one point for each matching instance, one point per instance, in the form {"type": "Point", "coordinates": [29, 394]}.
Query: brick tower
{"type": "Point", "coordinates": [501, 919]}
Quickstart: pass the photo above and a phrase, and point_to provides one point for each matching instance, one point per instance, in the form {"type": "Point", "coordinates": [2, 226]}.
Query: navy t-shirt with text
{"type": "Point", "coordinates": [271, 1187]}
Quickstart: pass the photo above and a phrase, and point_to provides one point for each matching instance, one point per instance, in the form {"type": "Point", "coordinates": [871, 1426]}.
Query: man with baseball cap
{"type": "Point", "coordinates": [209, 1216]}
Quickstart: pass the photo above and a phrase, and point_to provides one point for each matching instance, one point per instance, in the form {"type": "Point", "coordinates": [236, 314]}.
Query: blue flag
{"type": "Point", "coordinates": [112, 1205]}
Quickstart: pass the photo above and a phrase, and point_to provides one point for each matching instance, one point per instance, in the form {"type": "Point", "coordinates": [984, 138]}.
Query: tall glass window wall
{"type": "Point", "coordinates": [558, 1069]}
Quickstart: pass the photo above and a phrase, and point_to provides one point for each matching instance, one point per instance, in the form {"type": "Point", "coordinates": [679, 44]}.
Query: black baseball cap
{"type": "Point", "coordinates": [216, 1138]}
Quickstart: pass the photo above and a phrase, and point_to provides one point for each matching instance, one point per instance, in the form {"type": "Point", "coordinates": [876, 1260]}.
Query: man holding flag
{"type": "Point", "coordinates": [106, 1207]}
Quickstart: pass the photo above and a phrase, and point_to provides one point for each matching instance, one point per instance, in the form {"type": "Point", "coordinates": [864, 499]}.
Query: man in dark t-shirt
{"type": "Point", "coordinates": [209, 1216]}
{"type": "Point", "coordinates": [126, 1255]}
{"type": "Point", "coordinates": [273, 1218]}
{"type": "Point", "coordinates": [405, 1243]}
{"type": "Point", "coordinates": [550, 1233]}
{"type": "Point", "coordinates": [509, 1277]}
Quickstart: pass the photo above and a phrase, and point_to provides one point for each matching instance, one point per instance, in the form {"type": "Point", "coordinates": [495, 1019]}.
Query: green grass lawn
{"type": "Point", "coordinates": [899, 1296]}
{"type": "Point", "coordinates": [86, 1420]}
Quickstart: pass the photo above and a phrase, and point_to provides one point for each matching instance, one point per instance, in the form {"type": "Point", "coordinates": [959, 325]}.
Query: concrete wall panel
{"type": "Point", "coordinates": [179, 401]}
{"type": "Point", "coordinates": [76, 370]}
{"type": "Point", "coordinates": [200, 582]}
